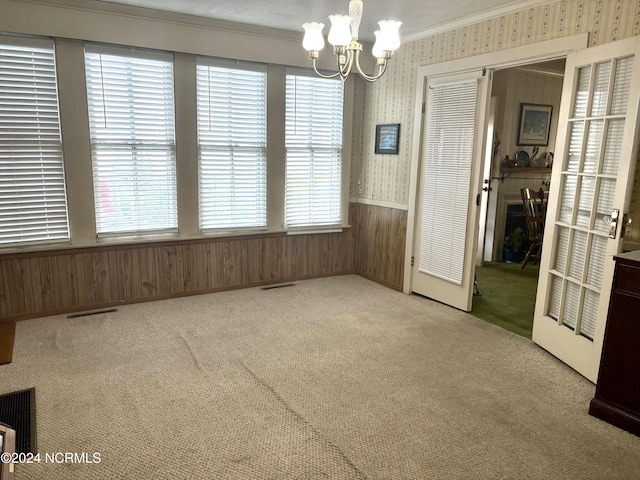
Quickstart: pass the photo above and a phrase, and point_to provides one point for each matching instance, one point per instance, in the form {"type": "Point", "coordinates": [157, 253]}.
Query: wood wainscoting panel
{"type": "Point", "coordinates": [380, 243]}
{"type": "Point", "coordinates": [34, 284]}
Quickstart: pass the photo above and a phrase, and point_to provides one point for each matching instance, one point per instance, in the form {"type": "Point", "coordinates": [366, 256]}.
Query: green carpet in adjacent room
{"type": "Point", "coordinates": [507, 296]}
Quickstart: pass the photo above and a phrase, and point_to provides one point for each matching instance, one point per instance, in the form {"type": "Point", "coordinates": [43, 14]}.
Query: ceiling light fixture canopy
{"type": "Point", "coordinates": [344, 38]}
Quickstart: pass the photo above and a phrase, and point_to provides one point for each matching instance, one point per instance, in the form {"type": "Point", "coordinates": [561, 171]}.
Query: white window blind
{"type": "Point", "coordinates": [313, 138]}
{"type": "Point", "coordinates": [232, 143]}
{"type": "Point", "coordinates": [33, 206]}
{"type": "Point", "coordinates": [447, 179]}
{"type": "Point", "coordinates": [131, 119]}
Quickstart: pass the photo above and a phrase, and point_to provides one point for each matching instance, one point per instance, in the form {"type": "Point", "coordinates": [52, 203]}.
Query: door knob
{"type": "Point", "coordinates": [613, 225]}
{"type": "Point", "coordinates": [626, 222]}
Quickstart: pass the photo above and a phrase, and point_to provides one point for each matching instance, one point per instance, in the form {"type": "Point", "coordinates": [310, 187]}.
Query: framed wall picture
{"type": "Point", "coordinates": [387, 138]}
{"type": "Point", "coordinates": [535, 122]}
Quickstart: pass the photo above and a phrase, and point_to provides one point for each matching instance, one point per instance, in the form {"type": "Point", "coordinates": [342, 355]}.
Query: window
{"type": "Point", "coordinates": [232, 142]}
{"type": "Point", "coordinates": [33, 206]}
{"type": "Point", "coordinates": [313, 139]}
{"type": "Point", "coordinates": [131, 120]}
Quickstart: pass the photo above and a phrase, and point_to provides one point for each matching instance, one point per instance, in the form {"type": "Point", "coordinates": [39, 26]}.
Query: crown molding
{"type": "Point", "coordinates": [169, 17]}
{"type": "Point", "coordinates": [512, 7]}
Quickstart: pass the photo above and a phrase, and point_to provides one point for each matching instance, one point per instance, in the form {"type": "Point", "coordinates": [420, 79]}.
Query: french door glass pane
{"type": "Point", "coordinates": [575, 146]}
{"type": "Point", "coordinates": [577, 254]}
{"type": "Point", "coordinates": [622, 85]}
{"type": "Point", "coordinates": [582, 93]}
{"type": "Point", "coordinates": [571, 305]}
{"type": "Point", "coordinates": [568, 196]}
{"type": "Point", "coordinates": [585, 204]}
{"type": "Point", "coordinates": [605, 204]}
{"type": "Point", "coordinates": [601, 89]}
{"type": "Point", "coordinates": [596, 260]}
{"type": "Point", "coordinates": [594, 139]}
{"type": "Point", "coordinates": [589, 313]}
{"type": "Point", "coordinates": [562, 245]}
{"type": "Point", "coordinates": [613, 147]}
{"type": "Point", "coordinates": [555, 297]}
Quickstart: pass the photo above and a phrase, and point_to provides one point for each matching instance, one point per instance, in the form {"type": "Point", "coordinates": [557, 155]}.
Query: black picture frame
{"type": "Point", "coordinates": [535, 124]}
{"type": "Point", "coordinates": [387, 139]}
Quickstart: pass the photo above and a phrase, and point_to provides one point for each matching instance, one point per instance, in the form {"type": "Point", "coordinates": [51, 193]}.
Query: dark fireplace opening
{"type": "Point", "coordinates": [515, 218]}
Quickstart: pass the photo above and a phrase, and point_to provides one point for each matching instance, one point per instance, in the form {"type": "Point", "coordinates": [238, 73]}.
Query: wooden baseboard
{"type": "Point", "coordinates": [7, 336]}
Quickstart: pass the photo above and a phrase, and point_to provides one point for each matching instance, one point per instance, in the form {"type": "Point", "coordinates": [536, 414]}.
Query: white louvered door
{"type": "Point", "coordinates": [450, 170]}
{"type": "Point", "coordinates": [591, 179]}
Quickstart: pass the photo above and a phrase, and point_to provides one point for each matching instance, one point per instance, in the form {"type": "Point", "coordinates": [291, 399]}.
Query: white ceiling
{"type": "Point", "coordinates": [417, 15]}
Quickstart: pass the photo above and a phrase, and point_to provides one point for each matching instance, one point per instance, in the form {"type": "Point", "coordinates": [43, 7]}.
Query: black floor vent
{"type": "Point", "coordinates": [279, 286]}
{"type": "Point", "coordinates": [94, 312]}
{"type": "Point", "coordinates": [18, 410]}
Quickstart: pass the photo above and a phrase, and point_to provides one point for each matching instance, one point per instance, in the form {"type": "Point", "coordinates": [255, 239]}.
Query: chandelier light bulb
{"type": "Point", "coordinates": [377, 47]}
{"type": "Point", "coordinates": [340, 33]}
{"type": "Point", "coordinates": [313, 39]}
{"type": "Point", "coordinates": [390, 36]}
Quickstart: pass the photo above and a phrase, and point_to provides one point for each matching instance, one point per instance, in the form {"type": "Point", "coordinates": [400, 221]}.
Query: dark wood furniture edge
{"type": "Point", "coordinates": [615, 416]}
{"type": "Point", "coordinates": [628, 258]}
{"type": "Point", "coordinates": [598, 407]}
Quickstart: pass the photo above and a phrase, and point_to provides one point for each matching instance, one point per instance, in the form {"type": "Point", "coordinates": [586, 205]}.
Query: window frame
{"type": "Point", "coordinates": [46, 145]}
{"type": "Point", "coordinates": [169, 147]}
{"type": "Point", "coordinates": [338, 220]}
{"type": "Point", "coordinates": [206, 62]}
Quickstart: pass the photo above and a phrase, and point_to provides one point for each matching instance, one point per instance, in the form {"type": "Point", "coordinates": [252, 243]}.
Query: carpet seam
{"type": "Point", "coordinates": [302, 420]}
{"type": "Point", "coordinates": [193, 355]}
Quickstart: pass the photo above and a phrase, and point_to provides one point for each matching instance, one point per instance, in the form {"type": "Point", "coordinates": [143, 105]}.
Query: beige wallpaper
{"type": "Point", "coordinates": [385, 178]}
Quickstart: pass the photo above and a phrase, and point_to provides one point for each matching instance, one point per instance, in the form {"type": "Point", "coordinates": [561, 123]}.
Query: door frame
{"type": "Point", "coordinates": [485, 193]}
{"type": "Point", "coordinates": [533, 53]}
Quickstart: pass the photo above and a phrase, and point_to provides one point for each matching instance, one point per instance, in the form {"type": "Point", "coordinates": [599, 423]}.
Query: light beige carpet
{"type": "Point", "coordinates": [336, 378]}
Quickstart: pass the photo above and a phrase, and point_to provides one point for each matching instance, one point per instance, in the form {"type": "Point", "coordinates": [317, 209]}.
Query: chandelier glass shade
{"type": "Point", "coordinates": [343, 35]}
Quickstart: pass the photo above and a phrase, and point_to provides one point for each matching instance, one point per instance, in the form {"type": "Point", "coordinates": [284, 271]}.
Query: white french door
{"type": "Point", "coordinates": [451, 166]}
{"type": "Point", "coordinates": [590, 187]}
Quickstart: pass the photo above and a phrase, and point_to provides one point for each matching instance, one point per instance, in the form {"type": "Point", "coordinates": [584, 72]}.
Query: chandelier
{"type": "Point", "coordinates": [344, 38]}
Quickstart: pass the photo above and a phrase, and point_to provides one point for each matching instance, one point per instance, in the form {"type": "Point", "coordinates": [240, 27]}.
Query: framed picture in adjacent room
{"type": "Point", "coordinates": [387, 139]}
{"type": "Point", "coordinates": [535, 122]}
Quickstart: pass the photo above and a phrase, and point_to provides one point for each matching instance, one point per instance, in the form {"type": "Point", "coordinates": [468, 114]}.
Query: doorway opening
{"type": "Point", "coordinates": [505, 289]}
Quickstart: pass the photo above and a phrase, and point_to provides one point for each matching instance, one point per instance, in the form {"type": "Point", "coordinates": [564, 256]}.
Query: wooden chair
{"type": "Point", "coordinates": [535, 209]}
